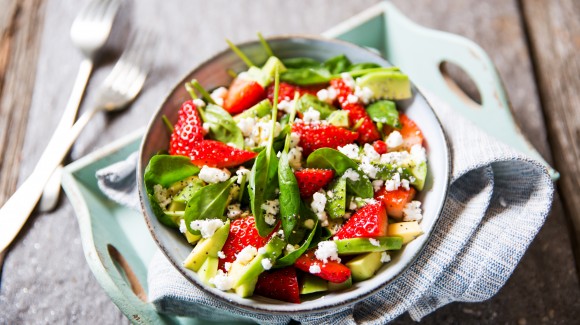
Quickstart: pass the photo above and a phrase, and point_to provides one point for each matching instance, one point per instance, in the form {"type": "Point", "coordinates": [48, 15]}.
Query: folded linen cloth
{"type": "Point", "coordinates": [497, 202]}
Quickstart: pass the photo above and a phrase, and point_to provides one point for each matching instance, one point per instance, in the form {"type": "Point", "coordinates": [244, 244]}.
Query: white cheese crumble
{"type": "Point", "coordinates": [350, 150]}
{"type": "Point", "coordinates": [314, 269]}
{"type": "Point", "coordinates": [271, 207]}
{"type": "Point", "coordinates": [246, 255]}
{"type": "Point", "coordinates": [327, 250]}
{"type": "Point", "coordinates": [370, 152]}
{"type": "Point", "coordinates": [309, 223]}
{"type": "Point", "coordinates": [221, 281]}
{"type": "Point", "coordinates": [393, 183]}
{"type": "Point", "coordinates": [374, 242]}
{"type": "Point", "coordinates": [234, 211]}
{"type": "Point", "coordinates": [394, 140]}
{"type": "Point", "coordinates": [241, 172]}
{"type": "Point", "coordinates": [221, 255]}
{"type": "Point", "coordinates": [246, 125]}
{"type": "Point", "coordinates": [368, 168]}
{"type": "Point", "coordinates": [286, 105]}
{"type": "Point", "coordinates": [352, 205]}
{"type": "Point", "coordinates": [161, 195]}
{"type": "Point", "coordinates": [405, 184]}
{"type": "Point", "coordinates": [294, 139]}
{"type": "Point", "coordinates": [261, 132]}
{"type": "Point", "coordinates": [205, 127]}
{"type": "Point", "coordinates": [385, 257]}
{"type": "Point", "coordinates": [365, 94]}
{"type": "Point", "coordinates": [377, 184]}
{"type": "Point", "coordinates": [295, 157]}
{"type": "Point", "coordinates": [182, 226]}
{"type": "Point", "coordinates": [351, 174]}
{"type": "Point", "coordinates": [348, 80]}
{"type": "Point", "coordinates": [227, 266]}
{"type": "Point", "coordinates": [207, 227]}
{"type": "Point", "coordinates": [395, 158]}
{"type": "Point", "coordinates": [412, 211]}
{"type": "Point", "coordinates": [311, 115]}
{"type": "Point", "coordinates": [214, 175]}
{"type": "Point", "coordinates": [262, 250]}
{"type": "Point", "coordinates": [318, 204]}
{"type": "Point", "coordinates": [322, 95]}
{"type": "Point", "coordinates": [352, 99]}
{"type": "Point", "coordinates": [290, 248]}
{"type": "Point", "coordinates": [218, 95]}
{"type": "Point", "coordinates": [267, 263]}
{"type": "Point", "coordinates": [418, 154]}
{"type": "Point", "coordinates": [198, 102]}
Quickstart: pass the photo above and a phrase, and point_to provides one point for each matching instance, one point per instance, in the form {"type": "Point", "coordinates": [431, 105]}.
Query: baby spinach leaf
{"type": "Point", "coordinates": [333, 159]}
{"type": "Point", "coordinates": [306, 76]}
{"type": "Point", "coordinates": [363, 66]}
{"type": "Point", "coordinates": [222, 126]}
{"type": "Point", "coordinates": [289, 195]}
{"type": "Point", "coordinates": [292, 257]}
{"type": "Point", "coordinates": [166, 170]}
{"type": "Point", "coordinates": [262, 184]}
{"type": "Point", "coordinates": [337, 64]}
{"type": "Point", "coordinates": [300, 62]}
{"type": "Point", "coordinates": [384, 111]}
{"type": "Point", "coordinates": [309, 100]}
{"type": "Point", "coordinates": [209, 202]}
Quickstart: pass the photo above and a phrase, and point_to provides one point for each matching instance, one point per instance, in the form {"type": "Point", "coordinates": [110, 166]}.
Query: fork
{"type": "Point", "coordinates": [119, 89]}
{"type": "Point", "coordinates": [89, 32]}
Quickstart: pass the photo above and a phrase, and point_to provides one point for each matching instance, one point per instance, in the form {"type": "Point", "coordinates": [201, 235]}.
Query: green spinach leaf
{"type": "Point", "coordinates": [306, 76]}
{"type": "Point", "coordinates": [166, 170]}
{"type": "Point", "coordinates": [292, 257]}
{"type": "Point", "coordinates": [309, 100]}
{"type": "Point", "coordinates": [222, 126]}
{"type": "Point", "coordinates": [262, 184]}
{"type": "Point", "coordinates": [300, 62]}
{"type": "Point", "coordinates": [209, 202]}
{"type": "Point", "coordinates": [337, 64]}
{"type": "Point", "coordinates": [384, 111]}
{"type": "Point", "coordinates": [363, 66]}
{"type": "Point", "coordinates": [333, 159]}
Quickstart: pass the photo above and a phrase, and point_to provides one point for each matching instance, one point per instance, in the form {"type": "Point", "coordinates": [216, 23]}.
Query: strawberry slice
{"type": "Point", "coordinates": [243, 233]}
{"type": "Point", "coordinates": [411, 133]}
{"type": "Point", "coordinates": [218, 154]}
{"type": "Point", "coordinates": [331, 271]}
{"type": "Point", "coordinates": [286, 91]}
{"type": "Point", "coordinates": [368, 222]}
{"type": "Point", "coordinates": [188, 130]}
{"type": "Point", "coordinates": [310, 180]}
{"type": "Point", "coordinates": [395, 200]}
{"type": "Point", "coordinates": [243, 94]}
{"type": "Point", "coordinates": [367, 131]}
{"type": "Point", "coordinates": [279, 284]}
{"type": "Point", "coordinates": [380, 147]}
{"type": "Point", "coordinates": [320, 135]}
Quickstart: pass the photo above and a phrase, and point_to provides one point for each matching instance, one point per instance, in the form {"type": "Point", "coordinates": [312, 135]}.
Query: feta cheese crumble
{"type": "Point", "coordinates": [318, 204]}
{"type": "Point", "coordinates": [348, 80]}
{"type": "Point", "coordinates": [161, 195]}
{"type": "Point", "coordinates": [290, 248]}
{"type": "Point", "coordinates": [295, 157]}
{"type": "Point", "coordinates": [352, 99]}
{"type": "Point", "coordinates": [314, 269]}
{"type": "Point", "coordinates": [234, 211]}
{"type": "Point", "coordinates": [370, 152]}
{"type": "Point", "coordinates": [221, 281]}
{"type": "Point", "coordinates": [377, 184]}
{"type": "Point", "coordinates": [311, 115]}
{"type": "Point", "coordinates": [207, 227]}
{"type": "Point", "coordinates": [286, 105]}
{"type": "Point", "coordinates": [412, 211]}
{"type": "Point", "coordinates": [213, 175]}
{"type": "Point", "coordinates": [418, 154]}
{"type": "Point", "coordinates": [182, 226]}
{"type": "Point", "coordinates": [350, 150]}
{"type": "Point", "coordinates": [368, 168]}
{"type": "Point", "coordinates": [374, 242]}
{"type": "Point", "coordinates": [241, 172]}
{"type": "Point", "coordinates": [394, 140]}
{"type": "Point", "coordinates": [327, 250]}
{"type": "Point", "coordinates": [351, 174]}
{"type": "Point", "coordinates": [221, 255]}
{"type": "Point", "coordinates": [218, 95]}
{"type": "Point", "coordinates": [267, 264]}
{"type": "Point", "coordinates": [393, 183]}
{"type": "Point", "coordinates": [198, 102]}
{"type": "Point", "coordinates": [385, 257]}
{"type": "Point", "coordinates": [271, 207]}
{"type": "Point", "coordinates": [246, 255]}
{"type": "Point", "coordinates": [365, 94]}
{"type": "Point", "coordinates": [246, 125]}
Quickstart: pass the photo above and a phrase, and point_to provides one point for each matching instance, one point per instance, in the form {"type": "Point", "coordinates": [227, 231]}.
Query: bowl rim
{"type": "Point", "coordinates": [147, 213]}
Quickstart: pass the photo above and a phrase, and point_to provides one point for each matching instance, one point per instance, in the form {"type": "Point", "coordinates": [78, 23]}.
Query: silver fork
{"type": "Point", "coordinates": [89, 32]}
{"type": "Point", "coordinates": [119, 89]}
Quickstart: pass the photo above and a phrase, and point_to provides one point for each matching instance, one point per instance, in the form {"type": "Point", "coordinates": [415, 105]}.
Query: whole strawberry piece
{"type": "Point", "coordinates": [357, 114]}
{"type": "Point", "coordinates": [188, 131]}
{"type": "Point", "coordinates": [322, 135]}
{"type": "Point", "coordinates": [279, 284]}
{"type": "Point", "coordinates": [310, 180]}
{"type": "Point", "coordinates": [332, 271]}
{"type": "Point", "coordinates": [396, 200]}
{"type": "Point", "coordinates": [243, 94]}
{"type": "Point", "coordinates": [218, 154]}
{"type": "Point", "coordinates": [368, 222]}
{"type": "Point", "coordinates": [380, 147]}
{"type": "Point", "coordinates": [410, 131]}
{"type": "Point", "coordinates": [243, 233]}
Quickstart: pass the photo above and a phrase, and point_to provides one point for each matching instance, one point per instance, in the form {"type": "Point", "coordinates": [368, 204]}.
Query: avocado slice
{"type": "Point", "coordinates": [340, 286]}
{"type": "Point", "coordinates": [386, 84]}
{"type": "Point", "coordinates": [336, 204]}
{"type": "Point", "coordinates": [407, 231]}
{"type": "Point", "coordinates": [419, 173]}
{"type": "Point", "coordinates": [269, 68]}
{"type": "Point", "coordinates": [259, 110]}
{"type": "Point", "coordinates": [208, 270]}
{"type": "Point", "coordinates": [353, 246]}
{"type": "Point", "coordinates": [364, 266]}
{"type": "Point", "coordinates": [207, 247]}
{"type": "Point", "coordinates": [245, 277]}
{"type": "Point", "coordinates": [312, 284]}
{"type": "Point", "coordinates": [193, 184]}
{"type": "Point", "coordinates": [339, 118]}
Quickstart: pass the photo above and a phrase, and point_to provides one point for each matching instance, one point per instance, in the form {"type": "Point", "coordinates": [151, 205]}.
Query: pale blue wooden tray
{"type": "Point", "coordinates": [107, 228]}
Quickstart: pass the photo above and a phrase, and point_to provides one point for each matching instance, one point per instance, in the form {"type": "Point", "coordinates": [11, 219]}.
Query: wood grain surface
{"type": "Point", "coordinates": [45, 278]}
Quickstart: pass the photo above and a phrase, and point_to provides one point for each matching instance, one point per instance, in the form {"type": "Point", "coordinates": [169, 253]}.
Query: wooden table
{"type": "Point", "coordinates": [535, 45]}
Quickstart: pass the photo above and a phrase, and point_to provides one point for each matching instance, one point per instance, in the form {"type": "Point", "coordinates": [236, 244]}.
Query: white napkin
{"type": "Point", "coordinates": [497, 203]}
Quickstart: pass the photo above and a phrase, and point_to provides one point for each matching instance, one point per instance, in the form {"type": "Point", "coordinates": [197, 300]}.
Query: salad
{"type": "Point", "coordinates": [299, 177]}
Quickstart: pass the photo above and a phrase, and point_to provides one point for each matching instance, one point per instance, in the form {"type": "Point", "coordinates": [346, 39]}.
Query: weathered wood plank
{"type": "Point", "coordinates": [554, 36]}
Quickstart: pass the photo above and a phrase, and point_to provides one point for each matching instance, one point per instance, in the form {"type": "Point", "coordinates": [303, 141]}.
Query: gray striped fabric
{"type": "Point", "coordinates": [498, 201]}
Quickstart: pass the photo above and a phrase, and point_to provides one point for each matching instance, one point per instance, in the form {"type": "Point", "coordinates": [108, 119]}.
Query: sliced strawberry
{"type": "Point", "coordinates": [243, 233]}
{"type": "Point", "coordinates": [411, 133]}
{"type": "Point", "coordinates": [310, 180]}
{"type": "Point", "coordinates": [380, 147]}
{"type": "Point", "coordinates": [331, 270]}
{"type": "Point", "coordinates": [286, 91]}
{"type": "Point", "coordinates": [218, 154]}
{"type": "Point", "coordinates": [367, 130]}
{"type": "Point", "coordinates": [188, 130]}
{"type": "Point", "coordinates": [279, 284]}
{"type": "Point", "coordinates": [367, 222]}
{"type": "Point", "coordinates": [395, 200]}
{"type": "Point", "coordinates": [320, 135]}
{"type": "Point", "coordinates": [243, 94]}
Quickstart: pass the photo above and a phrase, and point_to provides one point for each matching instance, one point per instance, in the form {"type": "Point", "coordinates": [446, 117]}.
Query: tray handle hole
{"type": "Point", "coordinates": [127, 273]}
{"type": "Point", "coordinates": [460, 83]}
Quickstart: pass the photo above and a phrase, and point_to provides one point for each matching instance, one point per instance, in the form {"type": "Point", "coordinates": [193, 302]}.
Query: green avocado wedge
{"type": "Point", "coordinates": [354, 246]}
{"type": "Point", "coordinates": [207, 247]}
{"type": "Point", "coordinates": [386, 84]}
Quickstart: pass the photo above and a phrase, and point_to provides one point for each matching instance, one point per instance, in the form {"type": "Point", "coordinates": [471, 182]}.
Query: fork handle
{"type": "Point", "coordinates": [17, 209]}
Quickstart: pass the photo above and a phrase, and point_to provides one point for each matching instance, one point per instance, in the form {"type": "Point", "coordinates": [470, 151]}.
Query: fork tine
{"type": "Point", "coordinates": [111, 9]}
{"type": "Point", "coordinates": [95, 10]}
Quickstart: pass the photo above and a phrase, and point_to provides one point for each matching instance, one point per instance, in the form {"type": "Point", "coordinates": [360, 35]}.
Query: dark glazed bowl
{"type": "Point", "coordinates": [211, 74]}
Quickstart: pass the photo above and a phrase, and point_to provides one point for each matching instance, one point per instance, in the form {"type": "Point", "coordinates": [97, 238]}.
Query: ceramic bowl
{"type": "Point", "coordinates": [211, 74]}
